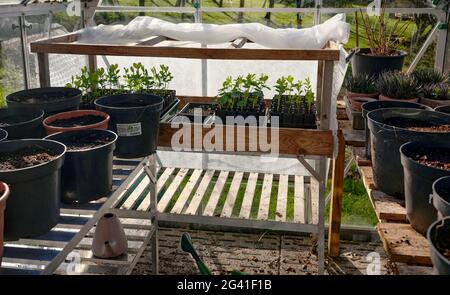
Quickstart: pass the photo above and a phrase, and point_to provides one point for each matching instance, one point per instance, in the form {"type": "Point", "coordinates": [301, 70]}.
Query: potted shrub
{"type": "Point", "coordinates": [22, 124]}
{"type": "Point", "coordinates": [135, 119]}
{"type": "Point", "coordinates": [441, 196]}
{"type": "Point", "coordinates": [243, 96]}
{"type": "Point", "coordinates": [381, 55]}
{"type": "Point", "coordinates": [87, 171]}
{"type": "Point", "coordinates": [435, 95]}
{"type": "Point", "coordinates": [4, 194]}
{"type": "Point", "coordinates": [423, 163]}
{"type": "Point", "coordinates": [51, 100]}
{"type": "Point", "coordinates": [426, 76]}
{"type": "Point", "coordinates": [294, 103]}
{"type": "Point", "coordinates": [360, 89]}
{"type": "Point", "coordinates": [32, 169]}
{"type": "Point", "coordinates": [439, 240]}
{"type": "Point", "coordinates": [375, 105]}
{"type": "Point", "coordinates": [392, 127]}
{"type": "Point", "coordinates": [398, 86]}
{"type": "Point", "coordinates": [76, 120]}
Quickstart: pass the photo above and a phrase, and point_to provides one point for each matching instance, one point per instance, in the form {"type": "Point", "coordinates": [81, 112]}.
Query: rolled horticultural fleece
{"type": "Point", "coordinates": [316, 37]}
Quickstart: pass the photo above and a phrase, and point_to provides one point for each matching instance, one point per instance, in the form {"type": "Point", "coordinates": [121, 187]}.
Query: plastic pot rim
{"type": "Point", "coordinates": [39, 165]}
{"type": "Point", "coordinates": [48, 137]}
{"type": "Point", "coordinates": [40, 117]}
{"type": "Point", "coordinates": [436, 193]}
{"type": "Point", "coordinates": [98, 103]}
{"type": "Point", "coordinates": [413, 162]}
{"type": "Point", "coordinates": [6, 135]}
{"type": "Point", "coordinates": [5, 194]}
{"type": "Point", "coordinates": [47, 121]}
{"type": "Point", "coordinates": [361, 52]}
{"type": "Point", "coordinates": [77, 92]}
{"type": "Point", "coordinates": [393, 128]}
{"type": "Point", "coordinates": [431, 241]}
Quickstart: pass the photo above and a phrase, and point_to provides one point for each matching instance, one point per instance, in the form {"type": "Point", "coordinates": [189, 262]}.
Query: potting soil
{"type": "Point", "coordinates": [26, 157]}
{"type": "Point", "coordinates": [77, 121]}
{"type": "Point", "coordinates": [78, 142]}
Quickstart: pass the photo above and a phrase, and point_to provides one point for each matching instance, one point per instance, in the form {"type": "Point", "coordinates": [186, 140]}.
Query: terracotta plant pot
{"type": "Point", "coordinates": [51, 129]}
{"type": "Point", "coordinates": [434, 103]}
{"type": "Point", "coordinates": [109, 239]}
{"type": "Point", "coordinates": [351, 94]}
{"type": "Point", "coordinates": [382, 97]}
{"type": "Point", "coordinates": [356, 102]}
{"type": "Point", "coordinates": [4, 194]}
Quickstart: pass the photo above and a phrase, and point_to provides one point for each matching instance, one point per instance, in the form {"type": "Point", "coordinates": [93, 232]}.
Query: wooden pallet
{"type": "Point", "coordinates": [402, 243]}
{"type": "Point", "coordinates": [31, 256]}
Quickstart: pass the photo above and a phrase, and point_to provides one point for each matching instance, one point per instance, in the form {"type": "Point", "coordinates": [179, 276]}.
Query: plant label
{"type": "Point", "coordinates": [126, 130]}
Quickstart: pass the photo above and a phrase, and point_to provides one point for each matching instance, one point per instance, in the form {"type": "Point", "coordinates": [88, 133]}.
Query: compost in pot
{"type": "Point", "coordinates": [87, 170]}
{"type": "Point", "coordinates": [26, 157]}
{"type": "Point", "coordinates": [32, 169]}
{"type": "Point", "coordinates": [76, 120]}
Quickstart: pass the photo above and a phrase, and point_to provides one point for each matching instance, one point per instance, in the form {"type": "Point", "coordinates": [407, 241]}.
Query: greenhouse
{"type": "Point", "coordinates": [215, 137]}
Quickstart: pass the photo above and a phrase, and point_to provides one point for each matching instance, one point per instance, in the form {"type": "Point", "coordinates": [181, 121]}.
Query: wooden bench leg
{"type": "Point", "coordinates": [336, 199]}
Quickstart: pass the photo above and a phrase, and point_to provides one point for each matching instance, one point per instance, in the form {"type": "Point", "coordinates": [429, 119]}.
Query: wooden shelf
{"type": "Point", "coordinates": [402, 243]}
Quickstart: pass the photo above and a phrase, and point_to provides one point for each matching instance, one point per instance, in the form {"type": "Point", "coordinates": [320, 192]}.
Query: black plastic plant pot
{"type": "Point", "coordinates": [441, 196]}
{"type": "Point", "coordinates": [420, 174]}
{"type": "Point", "coordinates": [3, 135]}
{"type": "Point", "coordinates": [439, 240]}
{"type": "Point", "coordinates": [22, 124]}
{"type": "Point", "coordinates": [33, 206]}
{"type": "Point", "coordinates": [365, 64]}
{"type": "Point", "coordinates": [135, 119]}
{"type": "Point", "coordinates": [87, 171]}
{"type": "Point", "coordinates": [388, 132]}
{"type": "Point", "coordinates": [383, 104]}
{"type": "Point", "coordinates": [443, 109]}
{"type": "Point", "coordinates": [51, 100]}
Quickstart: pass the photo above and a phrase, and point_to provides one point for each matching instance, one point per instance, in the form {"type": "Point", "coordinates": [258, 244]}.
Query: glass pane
{"type": "Point", "coordinates": [62, 66]}
{"type": "Point", "coordinates": [11, 59]}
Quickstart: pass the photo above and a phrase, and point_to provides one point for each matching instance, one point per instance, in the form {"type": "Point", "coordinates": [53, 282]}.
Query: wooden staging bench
{"type": "Point", "coordinates": [308, 146]}
{"type": "Point", "coordinates": [407, 249]}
